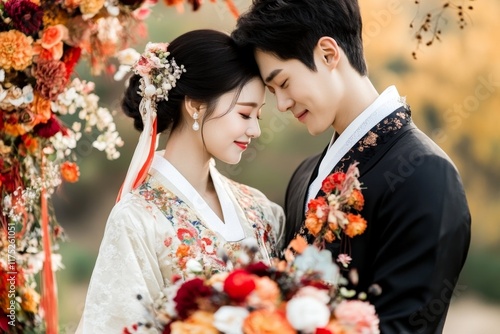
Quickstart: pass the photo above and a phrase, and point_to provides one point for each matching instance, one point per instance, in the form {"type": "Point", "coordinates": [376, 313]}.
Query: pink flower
{"type": "Point", "coordinates": [344, 259]}
{"type": "Point", "coordinates": [143, 66]}
{"type": "Point", "coordinates": [357, 317]}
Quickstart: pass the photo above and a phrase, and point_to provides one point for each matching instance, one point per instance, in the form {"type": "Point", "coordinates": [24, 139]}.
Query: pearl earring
{"type": "Point", "coordinates": [196, 126]}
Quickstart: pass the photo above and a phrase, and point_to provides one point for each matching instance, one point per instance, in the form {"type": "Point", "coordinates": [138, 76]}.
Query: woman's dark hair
{"type": "Point", "coordinates": [290, 29]}
{"type": "Point", "coordinates": [214, 66]}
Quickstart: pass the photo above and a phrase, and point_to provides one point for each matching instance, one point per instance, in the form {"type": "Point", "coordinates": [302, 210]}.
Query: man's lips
{"type": "Point", "coordinates": [242, 144]}
{"type": "Point", "coordinates": [300, 116]}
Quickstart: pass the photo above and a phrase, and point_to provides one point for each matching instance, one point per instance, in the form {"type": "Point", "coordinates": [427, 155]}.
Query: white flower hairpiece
{"type": "Point", "coordinates": [159, 75]}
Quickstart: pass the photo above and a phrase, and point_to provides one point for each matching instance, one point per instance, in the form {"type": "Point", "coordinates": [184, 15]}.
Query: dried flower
{"type": "Point", "coordinates": [26, 16]}
{"type": "Point", "coordinates": [50, 78]}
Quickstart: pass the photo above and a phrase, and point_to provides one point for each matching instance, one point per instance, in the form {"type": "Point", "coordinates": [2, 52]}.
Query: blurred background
{"type": "Point", "coordinates": [453, 89]}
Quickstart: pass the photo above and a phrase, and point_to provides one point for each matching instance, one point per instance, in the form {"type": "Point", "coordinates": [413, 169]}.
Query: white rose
{"type": "Point", "coordinates": [307, 313]}
{"type": "Point", "coordinates": [229, 319]}
{"type": "Point", "coordinates": [194, 266]}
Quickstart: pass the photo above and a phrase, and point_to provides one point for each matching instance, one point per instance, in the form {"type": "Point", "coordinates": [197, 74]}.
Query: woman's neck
{"type": "Point", "coordinates": [188, 155]}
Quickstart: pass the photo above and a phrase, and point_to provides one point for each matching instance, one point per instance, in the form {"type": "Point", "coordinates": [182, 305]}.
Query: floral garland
{"type": "Point", "coordinates": [44, 114]}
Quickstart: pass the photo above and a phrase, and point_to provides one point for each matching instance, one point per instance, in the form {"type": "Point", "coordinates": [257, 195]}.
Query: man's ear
{"type": "Point", "coordinates": [193, 106]}
{"type": "Point", "coordinates": [329, 51]}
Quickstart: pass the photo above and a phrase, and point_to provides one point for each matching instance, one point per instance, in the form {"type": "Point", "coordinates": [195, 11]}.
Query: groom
{"type": "Point", "coordinates": [310, 56]}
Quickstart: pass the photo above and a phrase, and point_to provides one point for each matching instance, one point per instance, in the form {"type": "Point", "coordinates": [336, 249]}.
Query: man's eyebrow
{"type": "Point", "coordinates": [272, 75]}
{"type": "Point", "coordinates": [248, 104]}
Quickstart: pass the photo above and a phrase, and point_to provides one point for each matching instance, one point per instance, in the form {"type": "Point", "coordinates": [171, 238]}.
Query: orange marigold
{"type": "Point", "coordinates": [30, 300]}
{"type": "Point", "coordinates": [313, 224]}
{"type": "Point", "coordinates": [200, 322]}
{"type": "Point", "coordinates": [16, 50]}
{"type": "Point", "coordinates": [267, 322]}
{"type": "Point", "coordinates": [70, 172]}
{"type": "Point", "coordinates": [356, 200]}
{"type": "Point", "coordinates": [356, 225]}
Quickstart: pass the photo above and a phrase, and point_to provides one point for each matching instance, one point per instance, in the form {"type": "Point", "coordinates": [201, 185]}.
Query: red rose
{"type": "Point", "coordinates": [188, 295]}
{"type": "Point", "coordinates": [239, 284]}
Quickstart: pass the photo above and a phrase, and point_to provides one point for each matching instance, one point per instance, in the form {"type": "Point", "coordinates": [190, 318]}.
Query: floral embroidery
{"type": "Point", "coordinates": [253, 210]}
{"type": "Point", "coordinates": [379, 134]}
{"type": "Point", "coordinates": [194, 240]}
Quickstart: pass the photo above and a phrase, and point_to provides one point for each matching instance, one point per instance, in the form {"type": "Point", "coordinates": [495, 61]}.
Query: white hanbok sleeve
{"type": "Point", "coordinates": [126, 266]}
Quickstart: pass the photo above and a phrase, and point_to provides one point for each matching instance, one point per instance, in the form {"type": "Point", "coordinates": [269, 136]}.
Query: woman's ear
{"type": "Point", "coordinates": [194, 106]}
{"type": "Point", "coordinates": [329, 51]}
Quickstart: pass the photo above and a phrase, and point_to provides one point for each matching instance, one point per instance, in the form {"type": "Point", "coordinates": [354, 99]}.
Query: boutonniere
{"type": "Point", "coordinates": [335, 215]}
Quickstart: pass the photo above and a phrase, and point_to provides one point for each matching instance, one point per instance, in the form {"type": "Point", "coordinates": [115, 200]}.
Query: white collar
{"type": "Point", "coordinates": [383, 106]}
{"type": "Point", "coordinates": [231, 230]}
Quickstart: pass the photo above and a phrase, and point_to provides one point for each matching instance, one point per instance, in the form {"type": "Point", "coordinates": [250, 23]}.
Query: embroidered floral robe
{"type": "Point", "coordinates": [153, 231]}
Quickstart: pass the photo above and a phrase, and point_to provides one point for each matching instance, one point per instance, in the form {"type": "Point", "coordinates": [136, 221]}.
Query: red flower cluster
{"type": "Point", "coordinates": [330, 216]}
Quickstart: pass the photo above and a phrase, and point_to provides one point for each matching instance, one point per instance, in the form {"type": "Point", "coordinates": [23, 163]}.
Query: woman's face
{"type": "Point", "coordinates": [228, 133]}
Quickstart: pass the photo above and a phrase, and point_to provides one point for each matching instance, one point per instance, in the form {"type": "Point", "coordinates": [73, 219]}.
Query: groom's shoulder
{"type": "Point", "coordinates": [309, 163]}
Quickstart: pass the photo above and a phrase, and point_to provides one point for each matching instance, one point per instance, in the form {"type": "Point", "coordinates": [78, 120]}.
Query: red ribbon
{"type": "Point", "coordinates": [49, 294]}
{"type": "Point", "coordinates": [143, 172]}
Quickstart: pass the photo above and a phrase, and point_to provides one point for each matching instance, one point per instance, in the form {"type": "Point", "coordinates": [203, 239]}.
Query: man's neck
{"type": "Point", "coordinates": [359, 95]}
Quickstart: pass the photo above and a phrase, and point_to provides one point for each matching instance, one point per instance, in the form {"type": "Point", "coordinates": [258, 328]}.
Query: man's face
{"type": "Point", "coordinates": [309, 95]}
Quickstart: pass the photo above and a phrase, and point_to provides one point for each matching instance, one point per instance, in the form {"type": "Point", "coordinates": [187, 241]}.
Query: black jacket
{"type": "Point", "coordinates": [418, 230]}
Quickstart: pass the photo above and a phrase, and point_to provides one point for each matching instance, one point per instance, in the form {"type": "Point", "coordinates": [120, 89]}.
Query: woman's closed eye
{"type": "Point", "coordinates": [245, 116]}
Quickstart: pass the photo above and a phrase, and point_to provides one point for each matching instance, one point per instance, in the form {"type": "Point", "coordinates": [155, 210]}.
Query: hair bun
{"type": "Point", "coordinates": [131, 101]}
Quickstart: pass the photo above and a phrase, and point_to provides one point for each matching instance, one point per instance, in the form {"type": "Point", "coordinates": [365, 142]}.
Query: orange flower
{"type": "Point", "coordinates": [267, 322]}
{"type": "Point", "coordinates": [357, 201]}
{"type": "Point", "coordinates": [15, 50]}
{"type": "Point", "coordinates": [15, 130]}
{"type": "Point", "coordinates": [313, 224]}
{"type": "Point", "coordinates": [30, 300]}
{"type": "Point", "coordinates": [356, 225]}
{"type": "Point", "coordinates": [41, 109]}
{"type": "Point", "coordinates": [30, 142]}
{"type": "Point", "coordinates": [52, 35]}
{"type": "Point", "coordinates": [266, 293]}
{"type": "Point", "coordinates": [200, 322]}
{"type": "Point", "coordinates": [333, 226]}
{"type": "Point", "coordinates": [70, 171]}
{"type": "Point", "coordinates": [298, 244]}
{"type": "Point", "coordinates": [182, 251]}
{"type": "Point", "coordinates": [329, 236]}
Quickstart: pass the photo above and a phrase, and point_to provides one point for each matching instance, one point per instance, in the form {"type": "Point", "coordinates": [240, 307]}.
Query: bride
{"type": "Point", "coordinates": [174, 205]}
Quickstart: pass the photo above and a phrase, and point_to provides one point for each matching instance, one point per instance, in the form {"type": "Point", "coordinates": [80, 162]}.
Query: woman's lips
{"type": "Point", "coordinates": [242, 145]}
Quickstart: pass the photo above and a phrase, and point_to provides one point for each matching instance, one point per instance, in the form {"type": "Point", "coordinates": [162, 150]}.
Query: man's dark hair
{"type": "Point", "coordinates": [290, 29]}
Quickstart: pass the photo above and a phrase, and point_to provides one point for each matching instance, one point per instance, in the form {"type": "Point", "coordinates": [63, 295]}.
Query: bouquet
{"type": "Point", "coordinates": [303, 293]}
